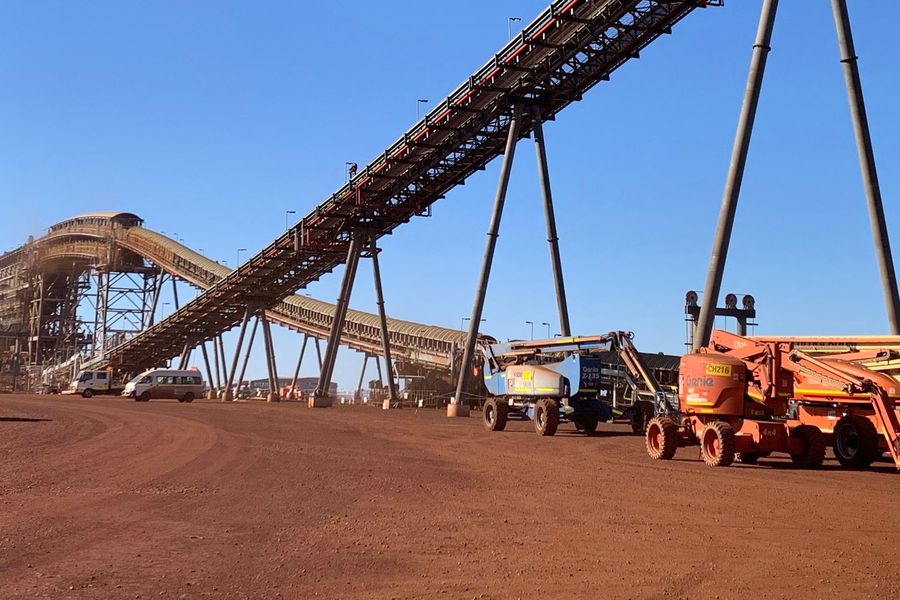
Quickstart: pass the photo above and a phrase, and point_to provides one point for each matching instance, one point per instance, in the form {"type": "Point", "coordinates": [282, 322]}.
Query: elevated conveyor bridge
{"type": "Point", "coordinates": [565, 51]}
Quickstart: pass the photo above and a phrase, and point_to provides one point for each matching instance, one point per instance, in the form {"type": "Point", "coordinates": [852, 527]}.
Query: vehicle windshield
{"type": "Point", "coordinates": [140, 379]}
{"type": "Point", "coordinates": [86, 376]}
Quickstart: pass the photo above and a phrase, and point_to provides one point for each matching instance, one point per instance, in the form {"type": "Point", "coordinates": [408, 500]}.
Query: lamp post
{"type": "Point", "coordinates": [548, 329]}
{"type": "Point", "coordinates": [238, 261]}
{"type": "Point", "coordinates": [419, 102]}
{"type": "Point", "coordinates": [532, 328]}
{"type": "Point", "coordinates": [462, 322]}
{"type": "Point", "coordinates": [286, 213]}
{"type": "Point", "coordinates": [509, 22]}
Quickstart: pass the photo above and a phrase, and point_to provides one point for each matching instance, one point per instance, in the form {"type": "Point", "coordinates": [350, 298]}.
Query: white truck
{"type": "Point", "coordinates": [88, 383]}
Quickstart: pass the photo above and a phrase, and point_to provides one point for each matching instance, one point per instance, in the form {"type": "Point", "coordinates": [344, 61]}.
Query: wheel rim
{"type": "Point", "coordinates": [489, 415]}
{"type": "Point", "coordinates": [542, 418]}
{"type": "Point", "coordinates": [654, 437]}
{"type": "Point", "coordinates": [711, 444]}
{"type": "Point", "coordinates": [847, 442]}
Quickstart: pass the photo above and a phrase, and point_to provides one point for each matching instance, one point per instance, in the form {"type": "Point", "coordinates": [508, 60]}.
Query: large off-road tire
{"type": "Point", "coordinates": [546, 417]}
{"type": "Point", "coordinates": [856, 442]}
{"type": "Point", "coordinates": [717, 444]}
{"type": "Point", "coordinates": [813, 447]}
{"type": "Point", "coordinates": [662, 438]}
{"type": "Point", "coordinates": [87, 394]}
{"type": "Point", "coordinates": [494, 415]}
{"type": "Point", "coordinates": [750, 458]}
{"type": "Point", "coordinates": [641, 415]}
{"type": "Point", "coordinates": [145, 397]}
{"type": "Point", "coordinates": [588, 424]}
{"type": "Point", "coordinates": [189, 397]}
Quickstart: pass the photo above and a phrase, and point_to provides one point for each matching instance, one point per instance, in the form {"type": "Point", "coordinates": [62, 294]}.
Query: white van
{"type": "Point", "coordinates": [88, 383]}
{"type": "Point", "coordinates": [165, 383]}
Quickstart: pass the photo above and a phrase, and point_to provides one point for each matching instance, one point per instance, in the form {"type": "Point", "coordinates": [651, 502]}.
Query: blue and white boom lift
{"type": "Point", "coordinates": [558, 380]}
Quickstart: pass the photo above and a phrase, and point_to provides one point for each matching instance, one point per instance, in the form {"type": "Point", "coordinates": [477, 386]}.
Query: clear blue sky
{"type": "Point", "coordinates": [212, 118]}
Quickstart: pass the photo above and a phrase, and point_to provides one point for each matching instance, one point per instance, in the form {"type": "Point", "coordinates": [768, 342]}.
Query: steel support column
{"type": "Point", "coordinates": [319, 354]}
{"type": "Point", "coordinates": [550, 217]}
{"type": "Point", "coordinates": [221, 342]}
{"type": "Point", "coordinates": [382, 317]}
{"type": "Point", "coordinates": [185, 356]}
{"type": "Point", "coordinates": [362, 376]}
{"type": "Point", "coordinates": [713, 285]}
{"type": "Point", "coordinates": [378, 370]}
{"type": "Point", "coordinates": [321, 396]}
{"type": "Point", "coordinates": [157, 290]}
{"type": "Point", "coordinates": [270, 360]}
{"type": "Point", "coordinates": [867, 162]}
{"type": "Point", "coordinates": [455, 408]}
{"type": "Point", "coordinates": [240, 379]}
{"type": "Point", "coordinates": [218, 366]}
{"type": "Point", "coordinates": [229, 393]}
{"type": "Point", "coordinates": [213, 394]}
{"type": "Point", "coordinates": [294, 394]}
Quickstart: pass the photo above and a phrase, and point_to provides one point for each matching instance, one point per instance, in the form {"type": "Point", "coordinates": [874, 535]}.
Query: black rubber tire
{"type": "Point", "coordinates": [145, 397]}
{"type": "Point", "coordinates": [189, 397]}
{"type": "Point", "coordinates": [87, 394]}
{"type": "Point", "coordinates": [546, 417]}
{"type": "Point", "coordinates": [717, 444]}
{"type": "Point", "coordinates": [662, 438]}
{"type": "Point", "coordinates": [750, 458]}
{"type": "Point", "coordinates": [855, 442]}
{"type": "Point", "coordinates": [814, 447]}
{"type": "Point", "coordinates": [641, 415]}
{"type": "Point", "coordinates": [588, 424]}
{"type": "Point", "coordinates": [494, 415]}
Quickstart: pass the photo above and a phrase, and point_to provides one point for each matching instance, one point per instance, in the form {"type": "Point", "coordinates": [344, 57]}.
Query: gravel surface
{"type": "Point", "coordinates": [108, 498]}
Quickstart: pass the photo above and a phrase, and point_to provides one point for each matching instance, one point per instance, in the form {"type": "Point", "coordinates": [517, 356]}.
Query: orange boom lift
{"type": "Point", "coordinates": [747, 397]}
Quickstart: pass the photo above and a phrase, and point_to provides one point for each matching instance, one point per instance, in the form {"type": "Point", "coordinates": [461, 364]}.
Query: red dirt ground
{"type": "Point", "coordinates": [107, 498]}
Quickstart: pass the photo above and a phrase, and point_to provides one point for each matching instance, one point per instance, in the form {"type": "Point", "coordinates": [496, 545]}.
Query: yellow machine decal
{"type": "Point", "coordinates": [718, 370]}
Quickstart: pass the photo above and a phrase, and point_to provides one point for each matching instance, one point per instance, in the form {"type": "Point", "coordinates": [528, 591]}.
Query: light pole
{"type": "Point", "coordinates": [509, 22]}
{"type": "Point", "coordinates": [532, 328]}
{"type": "Point", "coordinates": [238, 261]}
{"type": "Point", "coordinates": [419, 102]}
{"type": "Point", "coordinates": [286, 213]}
{"type": "Point", "coordinates": [462, 322]}
{"type": "Point", "coordinates": [548, 329]}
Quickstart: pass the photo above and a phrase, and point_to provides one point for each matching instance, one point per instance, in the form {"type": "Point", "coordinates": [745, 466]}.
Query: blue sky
{"type": "Point", "coordinates": [210, 119]}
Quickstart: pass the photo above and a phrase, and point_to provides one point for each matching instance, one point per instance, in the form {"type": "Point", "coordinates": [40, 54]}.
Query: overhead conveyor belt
{"type": "Point", "coordinates": [91, 238]}
{"type": "Point", "coordinates": [566, 50]}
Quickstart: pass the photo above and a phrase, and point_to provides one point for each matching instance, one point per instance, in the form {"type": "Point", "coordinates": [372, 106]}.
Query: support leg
{"type": "Point", "coordinates": [319, 354]}
{"type": "Point", "coordinates": [223, 360]}
{"type": "Point", "coordinates": [867, 163]}
{"type": "Point", "coordinates": [157, 289]}
{"type": "Point", "coordinates": [215, 345]}
{"type": "Point", "coordinates": [270, 360]}
{"type": "Point", "coordinates": [185, 356]}
{"type": "Point", "coordinates": [550, 217]}
{"type": "Point", "coordinates": [362, 376]}
{"type": "Point", "coordinates": [240, 380]}
{"type": "Point", "coordinates": [294, 395]}
{"type": "Point", "coordinates": [456, 407]}
{"type": "Point", "coordinates": [229, 393]}
{"type": "Point", "coordinates": [213, 394]}
{"type": "Point", "coordinates": [378, 370]}
{"type": "Point", "coordinates": [735, 174]}
{"type": "Point", "coordinates": [321, 397]}
{"type": "Point", "coordinates": [175, 293]}
{"type": "Point", "coordinates": [385, 335]}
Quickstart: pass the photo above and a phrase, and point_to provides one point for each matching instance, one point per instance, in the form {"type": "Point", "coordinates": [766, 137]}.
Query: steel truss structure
{"type": "Point", "coordinates": [569, 48]}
